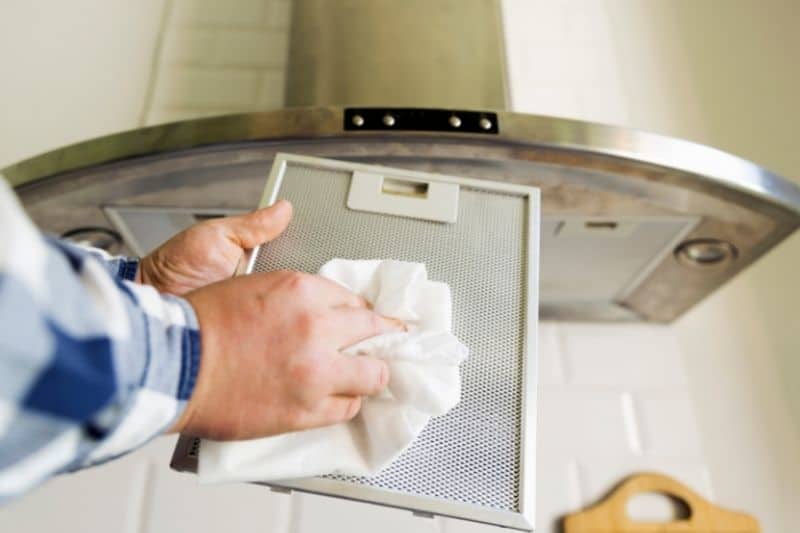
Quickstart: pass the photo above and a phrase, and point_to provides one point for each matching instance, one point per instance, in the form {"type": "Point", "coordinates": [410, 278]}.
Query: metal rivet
{"type": "Point", "coordinates": [388, 120]}
{"type": "Point", "coordinates": [358, 120]}
{"type": "Point", "coordinates": [485, 123]}
{"type": "Point", "coordinates": [705, 252]}
{"type": "Point", "coordinates": [455, 121]}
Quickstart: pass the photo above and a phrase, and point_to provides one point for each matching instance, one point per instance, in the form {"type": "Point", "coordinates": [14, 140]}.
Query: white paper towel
{"type": "Point", "coordinates": [424, 381]}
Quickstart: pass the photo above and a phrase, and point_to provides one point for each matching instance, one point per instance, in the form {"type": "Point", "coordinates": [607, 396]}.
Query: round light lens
{"type": "Point", "coordinates": [705, 252]}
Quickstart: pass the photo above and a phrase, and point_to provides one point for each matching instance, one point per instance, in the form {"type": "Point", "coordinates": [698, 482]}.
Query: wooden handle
{"type": "Point", "coordinates": [611, 515]}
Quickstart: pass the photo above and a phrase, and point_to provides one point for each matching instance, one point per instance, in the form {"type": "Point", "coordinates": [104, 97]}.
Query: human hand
{"type": "Point", "coordinates": [209, 251]}
{"type": "Point", "coordinates": [271, 360]}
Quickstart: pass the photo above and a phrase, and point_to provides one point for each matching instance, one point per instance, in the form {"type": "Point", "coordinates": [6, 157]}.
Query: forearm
{"type": "Point", "coordinates": [90, 366]}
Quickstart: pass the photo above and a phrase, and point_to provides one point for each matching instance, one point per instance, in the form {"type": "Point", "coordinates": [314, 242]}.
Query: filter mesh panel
{"type": "Point", "coordinates": [472, 454]}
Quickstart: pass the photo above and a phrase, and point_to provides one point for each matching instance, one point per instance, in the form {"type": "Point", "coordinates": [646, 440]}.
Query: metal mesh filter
{"type": "Point", "coordinates": [472, 454]}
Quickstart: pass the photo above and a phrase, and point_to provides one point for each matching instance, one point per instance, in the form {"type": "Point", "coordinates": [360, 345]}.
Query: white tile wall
{"type": "Point", "coordinates": [705, 408]}
{"type": "Point", "coordinates": [220, 58]}
{"type": "Point", "coordinates": [592, 357]}
{"type": "Point", "coordinates": [177, 502]}
{"type": "Point", "coordinates": [107, 498]}
{"type": "Point", "coordinates": [667, 423]}
{"type": "Point", "coordinates": [551, 364]}
{"type": "Point", "coordinates": [206, 88]}
{"type": "Point", "coordinates": [562, 60]}
{"type": "Point", "coordinates": [613, 401]}
{"type": "Point", "coordinates": [577, 422]}
{"type": "Point", "coordinates": [312, 513]}
{"type": "Point", "coordinates": [238, 14]}
{"type": "Point", "coordinates": [72, 71]}
{"type": "Point", "coordinates": [597, 478]}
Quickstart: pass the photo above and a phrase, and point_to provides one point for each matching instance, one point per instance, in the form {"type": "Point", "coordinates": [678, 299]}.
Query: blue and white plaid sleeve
{"type": "Point", "coordinates": [91, 365]}
{"type": "Point", "coordinates": [119, 267]}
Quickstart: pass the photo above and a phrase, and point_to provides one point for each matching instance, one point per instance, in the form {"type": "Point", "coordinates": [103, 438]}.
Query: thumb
{"type": "Point", "coordinates": [262, 225]}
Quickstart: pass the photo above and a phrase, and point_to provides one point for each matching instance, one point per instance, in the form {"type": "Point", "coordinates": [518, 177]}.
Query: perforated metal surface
{"type": "Point", "coordinates": [472, 454]}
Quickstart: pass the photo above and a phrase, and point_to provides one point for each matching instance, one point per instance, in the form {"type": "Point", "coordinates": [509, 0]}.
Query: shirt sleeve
{"type": "Point", "coordinates": [119, 267]}
{"type": "Point", "coordinates": [91, 365]}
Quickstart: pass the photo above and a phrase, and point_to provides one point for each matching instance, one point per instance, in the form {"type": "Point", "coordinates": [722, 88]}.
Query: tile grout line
{"type": "Point", "coordinates": [147, 491]}
{"type": "Point", "coordinates": [215, 65]}
{"type": "Point", "coordinates": [260, 83]}
{"type": "Point", "coordinates": [576, 482]}
{"type": "Point", "coordinates": [155, 63]}
{"type": "Point", "coordinates": [561, 356]}
{"type": "Point", "coordinates": [138, 479]}
{"type": "Point", "coordinates": [631, 422]}
{"type": "Point", "coordinates": [295, 512]}
{"type": "Point", "coordinates": [211, 26]}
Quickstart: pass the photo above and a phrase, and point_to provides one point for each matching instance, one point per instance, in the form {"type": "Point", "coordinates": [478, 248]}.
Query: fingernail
{"type": "Point", "coordinates": [282, 206]}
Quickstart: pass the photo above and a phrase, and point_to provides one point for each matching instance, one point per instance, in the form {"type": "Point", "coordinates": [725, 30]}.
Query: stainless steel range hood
{"type": "Point", "coordinates": [635, 226]}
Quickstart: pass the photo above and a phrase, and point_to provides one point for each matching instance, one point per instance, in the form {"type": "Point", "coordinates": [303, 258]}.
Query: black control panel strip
{"type": "Point", "coordinates": [412, 119]}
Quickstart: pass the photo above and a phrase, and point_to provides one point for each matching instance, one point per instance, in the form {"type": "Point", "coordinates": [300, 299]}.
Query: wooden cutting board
{"type": "Point", "coordinates": [611, 516]}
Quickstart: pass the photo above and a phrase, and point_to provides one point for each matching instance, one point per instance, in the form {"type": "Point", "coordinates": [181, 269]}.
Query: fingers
{"type": "Point", "coordinates": [354, 375]}
{"type": "Point", "coordinates": [335, 295]}
{"type": "Point", "coordinates": [332, 410]}
{"type": "Point", "coordinates": [320, 292]}
{"type": "Point", "coordinates": [348, 325]}
{"type": "Point", "coordinates": [262, 225]}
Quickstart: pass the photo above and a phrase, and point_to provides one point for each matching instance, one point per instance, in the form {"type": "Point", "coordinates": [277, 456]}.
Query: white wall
{"type": "Point", "coordinates": [219, 58]}
{"type": "Point", "coordinates": [722, 73]}
{"type": "Point", "coordinates": [72, 70]}
{"type": "Point", "coordinates": [739, 69]}
{"type": "Point", "coordinates": [85, 68]}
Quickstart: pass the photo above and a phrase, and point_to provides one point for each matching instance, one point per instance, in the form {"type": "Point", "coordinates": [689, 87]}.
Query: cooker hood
{"type": "Point", "coordinates": [635, 226]}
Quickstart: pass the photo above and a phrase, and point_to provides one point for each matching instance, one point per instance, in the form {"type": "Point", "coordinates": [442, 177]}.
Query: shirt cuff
{"type": "Point", "coordinates": [190, 353]}
{"type": "Point", "coordinates": [128, 268]}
